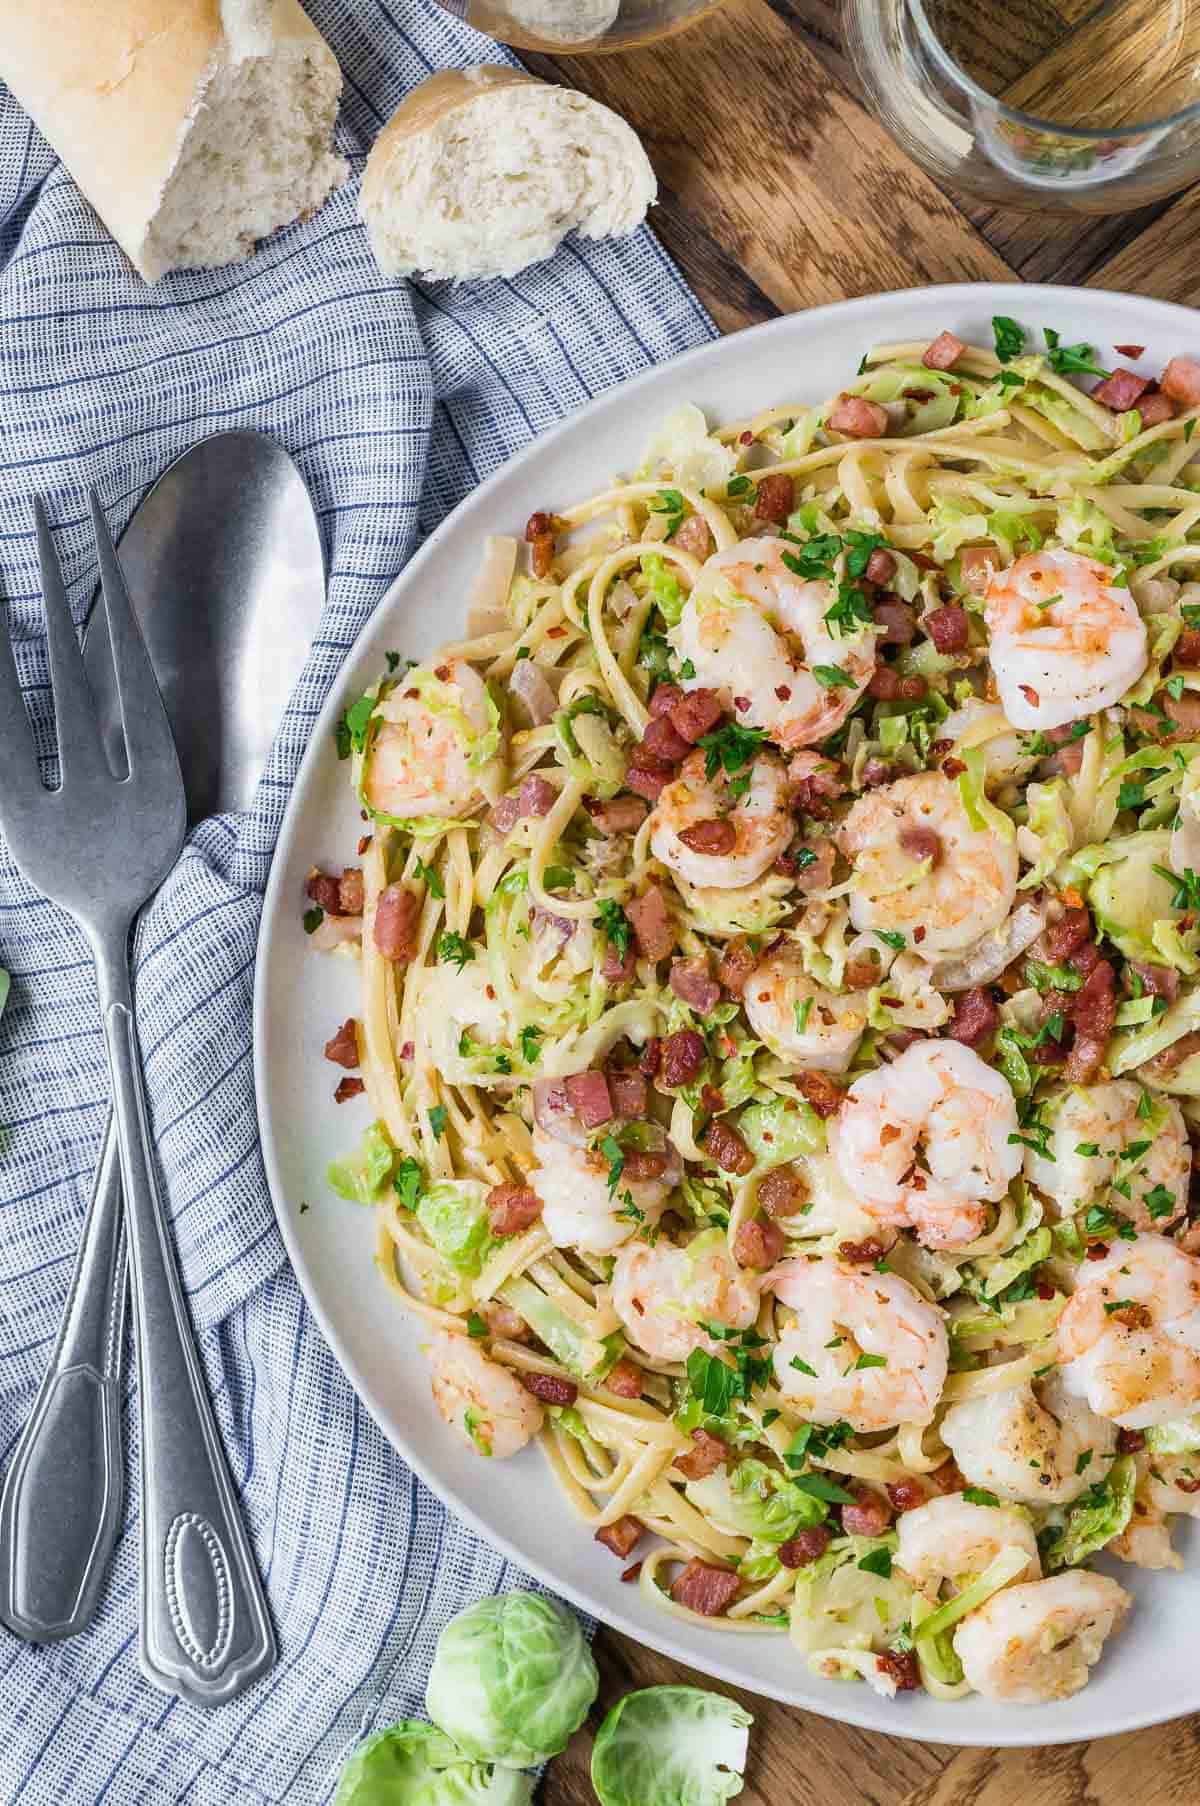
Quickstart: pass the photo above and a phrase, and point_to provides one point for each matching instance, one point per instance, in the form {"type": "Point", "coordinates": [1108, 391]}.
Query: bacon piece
{"type": "Point", "coordinates": [1093, 1013]}
{"type": "Point", "coordinates": [694, 535]}
{"type": "Point", "coordinates": [881, 567]}
{"type": "Point", "coordinates": [649, 784]}
{"type": "Point", "coordinates": [736, 964]}
{"type": "Point", "coordinates": [505, 814]}
{"type": "Point", "coordinates": [652, 926]}
{"type": "Point", "coordinates": [348, 1088]}
{"type": "Point", "coordinates": [884, 684]}
{"type": "Point", "coordinates": [691, 983]}
{"type": "Point", "coordinates": [820, 1091]}
{"type": "Point", "coordinates": [325, 891]}
{"type": "Point", "coordinates": [727, 1148]}
{"type": "Point", "coordinates": [977, 566]}
{"type": "Point", "coordinates": [632, 1573]}
{"type": "Point", "coordinates": [901, 1666]}
{"type": "Point", "coordinates": [776, 497]}
{"type": "Point", "coordinates": [868, 1516]}
{"type": "Point", "coordinates": [625, 1379]}
{"type": "Point", "coordinates": [641, 1164]}
{"type": "Point", "coordinates": [1187, 648]}
{"type": "Point", "coordinates": [696, 715]}
{"type": "Point", "coordinates": [1159, 981]}
{"type": "Point", "coordinates": [1059, 940]}
{"type": "Point", "coordinates": [975, 1017]}
{"type": "Point", "coordinates": [814, 874]}
{"type": "Point", "coordinates": [549, 1388]}
{"type": "Point", "coordinates": [782, 1192]}
{"type": "Point", "coordinates": [588, 1095]}
{"type": "Point", "coordinates": [342, 1048]}
{"type": "Point", "coordinates": [716, 836]}
{"type": "Point", "coordinates": [623, 815]}
{"type": "Point", "coordinates": [758, 1243]}
{"type": "Point", "coordinates": [862, 1254]}
{"type": "Point", "coordinates": [628, 1092]}
{"type": "Point", "coordinates": [1154, 408]}
{"type": "Point", "coordinates": [1130, 1442]}
{"type": "Point", "coordinates": [651, 1057]}
{"type": "Point", "coordinates": [682, 1057]}
{"type": "Point", "coordinates": [947, 627]}
{"type": "Point", "coordinates": [664, 700]}
{"type": "Point", "coordinates": [945, 352]}
{"type": "Point", "coordinates": [537, 796]}
{"type": "Point", "coordinates": [857, 418]}
{"type": "Point", "coordinates": [622, 1537]}
{"type": "Point", "coordinates": [805, 1547]}
{"type": "Point", "coordinates": [396, 916]}
{"type": "Point", "coordinates": [350, 892]}
{"type": "Point", "coordinates": [618, 968]}
{"type": "Point", "coordinates": [704, 1458]}
{"type": "Point", "coordinates": [1181, 381]}
{"type": "Point", "coordinates": [512, 1207]}
{"type": "Point", "coordinates": [1132, 351]}
{"type": "Point", "coordinates": [896, 618]}
{"type": "Point", "coordinates": [661, 739]}
{"type": "Point", "coordinates": [1121, 391]}
{"type": "Point", "coordinates": [874, 773]}
{"type": "Point", "coordinates": [905, 1495]}
{"type": "Point", "coordinates": [705, 1589]}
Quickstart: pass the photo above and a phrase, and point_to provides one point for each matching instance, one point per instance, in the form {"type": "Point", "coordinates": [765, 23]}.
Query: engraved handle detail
{"type": "Point", "coordinates": [206, 1634]}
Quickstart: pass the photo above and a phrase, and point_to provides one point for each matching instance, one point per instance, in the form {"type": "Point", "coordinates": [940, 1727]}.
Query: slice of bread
{"type": "Point", "coordinates": [194, 127]}
{"type": "Point", "coordinates": [484, 171]}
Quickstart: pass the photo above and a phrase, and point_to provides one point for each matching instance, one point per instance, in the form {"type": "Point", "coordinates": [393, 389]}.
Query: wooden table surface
{"type": "Point", "coordinates": [778, 191]}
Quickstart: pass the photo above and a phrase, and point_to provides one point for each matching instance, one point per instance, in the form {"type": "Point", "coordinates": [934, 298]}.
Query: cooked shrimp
{"type": "Point", "coordinates": [1100, 1141]}
{"type": "Point", "coordinates": [663, 1295]}
{"type": "Point", "coordinates": [1036, 1642]}
{"type": "Point", "coordinates": [716, 835]}
{"type": "Point", "coordinates": [798, 1020]}
{"type": "Point", "coordinates": [483, 1401]}
{"type": "Point", "coordinates": [1129, 1338]}
{"type": "Point", "coordinates": [928, 1141]}
{"type": "Point", "coordinates": [757, 633]}
{"type": "Point", "coordinates": [1037, 1445]}
{"type": "Point", "coordinates": [1065, 640]}
{"type": "Point", "coordinates": [1173, 1484]}
{"type": "Point", "coordinates": [949, 1538]}
{"type": "Point", "coordinates": [580, 1209]}
{"type": "Point", "coordinates": [921, 869]}
{"type": "Point", "coordinates": [866, 1347]}
{"type": "Point", "coordinates": [437, 750]}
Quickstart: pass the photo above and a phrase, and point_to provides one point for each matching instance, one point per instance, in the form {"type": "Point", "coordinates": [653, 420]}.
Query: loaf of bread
{"type": "Point", "coordinates": [484, 171]}
{"type": "Point", "coordinates": [194, 127]}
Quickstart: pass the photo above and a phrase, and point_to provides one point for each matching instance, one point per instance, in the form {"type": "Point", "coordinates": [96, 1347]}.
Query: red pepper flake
{"type": "Point", "coordinates": [918, 935]}
{"type": "Point", "coordinates": [746, 438]}
{"type": "Point", "coordinates": [364, 843]}
{"type": "Point", "coordinates": [632, 1573]}
{"type": "Point", "coordinates": [1097, 1250]}
{"type": "Point", "coordinates": [953, 768]}
{"type": "Point", "coordinates": [741, 703]}
{"type": "Point", "coordinates": [783, 692]}
{"type": "Point", "coordinates": [555, 633]}
{"type": "Point", "coordinates": [348, 1088]}
{"type": "Point", "coordinates": [1030, 694]}
{"type": "Point", "coordinates": [1130, 350]}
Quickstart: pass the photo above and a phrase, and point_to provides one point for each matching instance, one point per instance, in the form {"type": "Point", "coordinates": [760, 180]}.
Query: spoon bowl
{"type": "Point", "coordinates": [224, 566]}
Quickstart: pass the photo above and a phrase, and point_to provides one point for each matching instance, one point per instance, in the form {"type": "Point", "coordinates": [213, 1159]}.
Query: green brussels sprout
{"type": "Point", "coordinates": [512, 1679]}
{"type": "Point", "coordinates": [1129, 895]}
{"type": "Point", "coordinates": [781, 1129]}
{"type": "Point", "coordinates": [453, 1214]}
{"type": "Point", "coordinates": [1100, 1514]}
{"type": "Point", "coordinates": [362, 1177]}
{"type": "Point", "coordinates": [671, 1746]}
{"type": "Point", "coordinates": [755, 1501]}
{"type": "Point", "coordinates": [413, 1764]}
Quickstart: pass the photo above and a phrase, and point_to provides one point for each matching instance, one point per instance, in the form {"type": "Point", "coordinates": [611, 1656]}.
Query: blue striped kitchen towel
{"type": "Point", "coordinates": [394, 401]}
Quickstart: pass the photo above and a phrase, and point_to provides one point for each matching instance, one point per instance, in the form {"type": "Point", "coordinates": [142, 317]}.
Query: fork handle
{"type": "Point", "coordinates": [206, 1632]}
{"type": "Point", "coordinates": [60, 1512]}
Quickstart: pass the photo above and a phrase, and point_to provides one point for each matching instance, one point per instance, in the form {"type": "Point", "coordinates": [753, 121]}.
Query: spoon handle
{"type": "Point", "coordinates": [61, 1507]}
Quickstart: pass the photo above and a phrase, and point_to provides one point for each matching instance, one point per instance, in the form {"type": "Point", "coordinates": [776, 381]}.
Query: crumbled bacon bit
{"type": "Point", "coordinates": [805, 1547]}
{"type": "Point", "coordinates": [625, 1379]}
{"type": "Point", "coordinates": [342, 1048]}
{"type": "Point", "coordinates": [348, 1088]}
{"type": "Point", "coordinates": [723, 1143]}
{"type": "Point", "coordinates": [549, 1388]}
{"type": "Point", "coordinates": [706, 1589]}
{"type": "Point", "coordinates": [902, 1667]}
{"type": "Point", "coordinates": [622, 1537]}
{"type": "Point", "coordinates": [704, 1458]}
{"type": "Point", "coordinates": [820, 1091]}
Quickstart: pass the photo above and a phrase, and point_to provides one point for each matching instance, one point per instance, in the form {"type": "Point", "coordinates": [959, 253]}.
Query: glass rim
{"type": "Point", "coordinates": [1086, 134]}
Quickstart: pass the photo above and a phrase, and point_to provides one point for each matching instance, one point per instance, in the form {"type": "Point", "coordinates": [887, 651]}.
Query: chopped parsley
{"type": "Point", "coordinates": [455, 949]}
{"type": "Point", "coordinates": [817, 1487]}
{"type": "Point", "coordinates": [877, 1561]}
{"type": "Point", "coordinates": [1084, 1461]}
{"type": "Point", "coordinates": [670, 503]}
{"type": "Point", "coordinates": [815, 557]}
{"type": "Point", "coordinates": [529, 1038]}
{"type": "Point", "coordinates": [613, 1152]}
{"type": "Point", "coordinates": [1009, 338]}
{"type": "Point", "coordinates": [739, 487]}
{"type": "Point", "coordinates": [1089, 1149]}
{"type": "Point", "coordinates": [892, 937]}
{"type": "Point", "coordinates": [729, 748]}
{"type": "Point", "coordinates": [437, 1120]}
{"type": "Point", "coordinates": [1135, 1150]}
{"type": "Point", "coordinates": [1117, 1304]}
{"type": "Point", "coordinates": [618, 929]}
{"type": "Point", "coordinates": [408, 1182]}
{"type": "Point", "coordinates": [1070, 360]}
{"type": "Point", "coordinates": [979, 1495]}
{"type": "Point", "coordinates": [1160, 1202]}
{"type": "Point", "coordinates": [851, 611]}
{"type": "Point", "coordinates": [476, 1327]}
{"type": "Point", "coordinates": [1186, 893]}
{"type": "Point", "coordinates": [351, 730]}
{"type": "Point", "coordinates": [312, 919]}
{"type": "Point", "coordinates": [802, 1367]}
{"type": "Point", "coordinates": [868, 1360]}
{"type": "Point", "coordinates": [432, 881]}
{"type": "Point", "coordinates": [832, 677]}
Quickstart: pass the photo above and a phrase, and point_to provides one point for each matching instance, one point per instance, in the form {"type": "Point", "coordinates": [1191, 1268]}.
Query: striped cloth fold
{"type": "Point", "coordinates": [394, 401]}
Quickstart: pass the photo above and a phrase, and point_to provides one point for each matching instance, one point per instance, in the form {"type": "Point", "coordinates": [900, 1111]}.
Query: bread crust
{"type": "Point", "coordinates": [430, 101]}
{"type": "Point", "coordinates": [114, 85]}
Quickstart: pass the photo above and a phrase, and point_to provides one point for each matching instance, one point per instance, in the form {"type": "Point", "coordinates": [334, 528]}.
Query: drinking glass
{"type": "Point", "coordinates": [1071, 106]}
{"type": "Point", "coordinates": [580, 27]}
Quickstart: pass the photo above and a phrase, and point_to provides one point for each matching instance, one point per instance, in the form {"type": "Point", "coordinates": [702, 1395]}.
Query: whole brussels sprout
{"type": "Point", "coordinates": [512, 1679]}
{"type": "Point", "coordinates": [412, 1764]}
{"type": "Point", "coordinates": [671, 1746]}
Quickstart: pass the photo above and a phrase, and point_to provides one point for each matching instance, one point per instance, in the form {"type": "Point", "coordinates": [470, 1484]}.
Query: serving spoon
{"type": "Point", "coordinates": [224, 566]}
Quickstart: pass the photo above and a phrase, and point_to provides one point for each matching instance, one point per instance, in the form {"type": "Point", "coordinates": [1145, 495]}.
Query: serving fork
{"type": "Point", "coordinates": [99, 846]}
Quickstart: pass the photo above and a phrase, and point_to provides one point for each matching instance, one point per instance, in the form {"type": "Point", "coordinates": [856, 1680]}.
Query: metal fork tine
{"type": "Point", "coordinates": [22, 783]}
{"type": "Point", "coordinates": [148, 738]}
{"type": "Point", "coordinates": [79, 746]}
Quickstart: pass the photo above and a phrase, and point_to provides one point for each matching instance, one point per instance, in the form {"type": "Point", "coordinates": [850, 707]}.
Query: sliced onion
{"type": "Point", "coordinates": [530, 686]}
{"type": "Point", "coordinates": [995, 952]}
